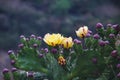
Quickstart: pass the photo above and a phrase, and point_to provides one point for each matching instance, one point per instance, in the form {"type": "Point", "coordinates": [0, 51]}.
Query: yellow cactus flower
{"type": "Point", "coordinates": [67, 42]}
{"type": "Point", "coordinates": [53, 39]}
{"type": "Point", "coordinates": [82, 31]}
{"type": "Point", "coordinates": [61, 60]}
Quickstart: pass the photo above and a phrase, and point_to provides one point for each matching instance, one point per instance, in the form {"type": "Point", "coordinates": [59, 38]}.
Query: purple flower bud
{"type": "Point", "coordinates": [118, 35]}
{"type": "Point", "coordinates": [111, 35]}
{"type": "Point", "coordinates": [42, 49]}
{"type": "Point", "coordinates": [118, 57]}
{"type": "Point", "coordinates": [94, 60]}
{"type": "Point", "coordinates": [32, 36]}
{"type": "Point", "coordinates": [90, 32]}
{"type": "Point", "coordinates": [118, 75]}
{"type": "Point", "coordinates": [114, 53]}
{"type": "Point", "coordinates": [88, 35]}
{"type": "Point", "coordinates": [22, 36]}
{"type": "Point", "coordinates": [12, 62]}
{"type": "Point", "coordinates": [118, 66]}
{"type": "Point", "coordinates": [77, 41]}
{"type": "Point", "coordinates": [5, 70]}
{"type": "Point", "coordinates": [40, 55]}
{"type": "Point", "coordinates": [109, 25]}
{"type": "Point", "coordinates": [35, 45]}
{"type": "Point", "coordinates": [116, 27]}
{"type": "Point", "coordinates": [46, 50]}
{"type": "Point", "coordinates": [54, 51]}
{"type": "Point", "coordinates": [96, 36]}
{"type": "Point", "coordinates": [30, 74]}
{"type": "Point", "coordinates": [27, 39]}
{"type": "Point", "coordinates": [14, 69]}
{"type": "Point", "coordinates": [99, 25]}
{"type": "Point", "coordinates": [106, 42]}
{"type": "Point", "coordinates": [39, 38]}
{"type": "Point", "coordinates": [10, 52]}
{"type": "Point", "coordinates": [102, 43]}
{"type": "Point", "coordinates": [21, 45]}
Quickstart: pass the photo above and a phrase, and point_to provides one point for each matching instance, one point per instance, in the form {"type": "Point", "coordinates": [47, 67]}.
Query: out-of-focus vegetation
{"type": "Point", "coordinates": [41, 16]}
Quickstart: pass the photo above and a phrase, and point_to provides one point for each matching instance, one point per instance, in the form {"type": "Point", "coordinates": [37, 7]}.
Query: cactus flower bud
{"type": "Point", "coordinates": [46, 50]}
{"type": "Point", "coordinates": [54, 51]}
{"type": "Point", "coordinates": [39, 38]}
{"type": "Point", "coordinates": [40, 55]}
{"type": "Point", "coordinates": [94, 60]}
{"type": "Point", "coordinates": [114, 53]}
{"type": "Point", "coordinates": [27, 39]}
{"type": "Point", "coordinates": [14, 69]}
{"type": "Point", "coordinates": [42, 49]}
{"type": "Point", "coordinates": [32, 36]}
{"type": "Point", "coordinates": [77, 41]}
{"type": "Point", "coordinates": [109, 25]}
{"type": "Point", "coordinates": [90, 32]}
{"type": "Point", "coordinates": [118, 75]}
{"type": "Point", "coordinates": [111, 35]}
{"type": "Point", "coordinates": [12, 62]}
{"type": "Point", "coordinates": [88, 35]}
{"type": "Point", "coordinates": [116, 27]}
{"type": "Point", "coordinates": [106, 42]}
{"type": "Point", "coordinates": [102, 43]}
{"type": "Point", "coordinates": [10, 52]}
{"type": "Point", "coordinates": [99, 25]}
{"type": "Point", "coordinates": [118, 57]}
{"type": "Point", "coordinates": [61, 60]}
{"type": "Point", "coordinates": [30, 74]}
{"type": "Point", "coordinates": [118, 66]}
{"type": "Point", "coordinates": [22, 36]}
{"type": "Point", "coordinates": [5, 70]}
{"type": "Point", "coordinates": [21, 45]}
{"type": "Point", "coordinates": [35, 45]}
{"type": "Point", "coordinates": [96, 36]}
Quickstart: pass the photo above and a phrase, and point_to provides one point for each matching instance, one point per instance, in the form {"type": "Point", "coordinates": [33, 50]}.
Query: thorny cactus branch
{"type": "Point", "coordinates": [94, 56]}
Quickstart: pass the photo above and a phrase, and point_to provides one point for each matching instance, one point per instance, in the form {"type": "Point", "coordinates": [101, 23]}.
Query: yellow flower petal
{"type": "Point", "coordinates": [53, 39]}
{"type": "Point", "coordinates": [67, 42]}
{"type": "Point", "coordinates": [82, 31]}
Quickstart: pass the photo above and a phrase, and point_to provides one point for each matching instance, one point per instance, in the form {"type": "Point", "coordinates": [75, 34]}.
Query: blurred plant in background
{"type": "Point", "coordinates": [37, 16]}
{"type": "Point", "coordinates": [91, 57]}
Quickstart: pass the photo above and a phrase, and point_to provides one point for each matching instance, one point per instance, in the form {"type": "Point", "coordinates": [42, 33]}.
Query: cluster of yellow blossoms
{"type": "Point", "coordinates": [58, 39]}
{"type": "Point", "coordinates": [66, 42]}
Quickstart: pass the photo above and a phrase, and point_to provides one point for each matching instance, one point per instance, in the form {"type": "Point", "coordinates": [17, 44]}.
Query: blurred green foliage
{"type": "Point", "coordinates": [94, 57]}
{"type": "Point", "coordinates": [61, 6]}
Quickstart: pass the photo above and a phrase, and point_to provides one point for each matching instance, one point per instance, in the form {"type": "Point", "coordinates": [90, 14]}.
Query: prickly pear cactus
{"type": "Point", "coordinates": [90, 57]}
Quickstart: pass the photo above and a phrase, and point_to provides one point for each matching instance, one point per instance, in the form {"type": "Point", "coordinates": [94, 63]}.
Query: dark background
{"type": "Point", "coordinates": [39, 17]}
